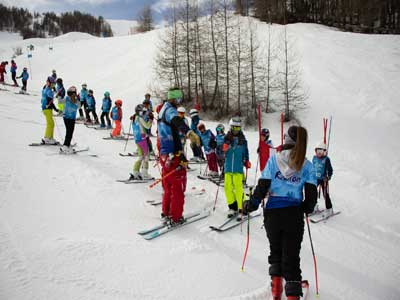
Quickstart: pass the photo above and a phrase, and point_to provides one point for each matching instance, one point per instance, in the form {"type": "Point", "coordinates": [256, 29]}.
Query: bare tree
{"type": "Point", "coordinates": [145, 20]}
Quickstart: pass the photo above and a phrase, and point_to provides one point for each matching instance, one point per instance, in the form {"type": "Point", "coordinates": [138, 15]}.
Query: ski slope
{"type": "Point", "coordinates": [68, 230]}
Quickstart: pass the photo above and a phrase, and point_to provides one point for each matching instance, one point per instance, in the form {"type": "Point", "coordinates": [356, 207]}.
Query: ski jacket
{"type": "Point", "coordinates": [206, 138]}
{"type": "Point", "coordinates": [47, 98]}
{"type": "Point", "coordinates": [106, 106]}
{"type": "Point", "coordinates": [265, 150]}
{"type": "Point", "coordinates": [286, 187]}
{"type": "Point", "coordinates": [90, 101]}
{"type": "Point", "coordinates": [169, 126]}
{"type": "Point", "coordinates": [116, 113]}
{"type": "Point", "coordinates": [237, 153]}
{"type": "Point", "coordinates": [181, 134]}
{"type": "Point", "coordinates": [219, 138]}
{"type": "Point", "coordinates": [3, 68]}
{"type": "Point", "coordinates": [13, 68]}
{"type": "Point", "coordinates": [70, 108]}
{"type": "Point", "coordinates": [139, 128]}
{"type": "Point", "coordinates": [193, 125]}
{"type": "Point", "coordinates": [83, 95]}
{"type": "Point", "coordinates": [24, 75]}
{"type": "Point", "coordinates": [60, 91]}
{"type": "Point", "coordinates": [322, 167]}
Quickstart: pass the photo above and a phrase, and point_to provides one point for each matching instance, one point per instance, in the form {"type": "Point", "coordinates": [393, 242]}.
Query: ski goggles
{"type": "Point", "coordinates": [236, 128]}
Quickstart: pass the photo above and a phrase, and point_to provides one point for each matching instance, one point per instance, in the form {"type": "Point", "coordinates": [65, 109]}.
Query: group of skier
{"type": "Point", "coordinates": [13, 70]}
{"type": "Point", "coordinates": [286, 174]}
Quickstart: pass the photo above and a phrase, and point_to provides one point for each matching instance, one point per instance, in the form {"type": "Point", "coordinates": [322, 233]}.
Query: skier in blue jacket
{"type": "Point", "coordinates": [25, 76]}
{"type": "Point", "coordinates": [70, 109]}
{"type": "Point", "coordinates": [82, 100]}
{"type": "Point", "coordinates": [287, 179]}
{"type": "Point", "coordinates": [105, 110]}
{"type": "Point", "coordinates": [198, 155]}
{"type": "Point", "coordinates": [219, 138]}
{"type": "Point", "coordinates": [91, 108]}
{"type": "Point", "coordinates": [209, 144]}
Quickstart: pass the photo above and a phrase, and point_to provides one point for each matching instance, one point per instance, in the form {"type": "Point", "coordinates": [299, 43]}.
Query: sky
{"type": "Point", "coordinates": [109, 9]}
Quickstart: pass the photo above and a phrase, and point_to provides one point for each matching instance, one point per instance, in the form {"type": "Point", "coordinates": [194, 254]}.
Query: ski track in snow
{"type": "Point", "coordinates": [69, 231]}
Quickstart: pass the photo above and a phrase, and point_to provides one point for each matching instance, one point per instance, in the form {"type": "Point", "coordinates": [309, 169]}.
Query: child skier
{"type": "Point", "coordinates": [105, 110]}
{"type": "Point", "coordinates": [25, 76]}
{"type": "Point", "coordinates": [47, 108]}
{"type": "Point", "coordinates": [236, 157]}
{"type": "Point", "coordinates": [209, 144]}
{"type": "Point", "coordinates": [148, 116]}
{"type": "Point", "coordinates": [3, 71]}
{"type": "Point", "coordinates": [265, 148]}
{"type": "Point", "coordinates": [60, 94]}
{"type": "Point", "coordinates": [116, 116]}
{"type": "Point", "coordinates": [70, 109]}
{"type": "Point", "coordinates": [289, 178]}
{"type": "Point", "coordinates": [13, 70]}
{"type": "Point", "coordinates": [181, 113]}
{"type": "Point", "coordinates": [323, 170]}
{"type": "Point", "coordinates": [147, 100]}
{"type": "Point", "coordinates": [220, 129]}
{"type": "Point", "coordinates": [91, 108]}
{"type": "Point", "coordinates": [139, 128]}
{"type": "Point", "coordinates": [82, 99]}
{"type": "Point", "coordinates": [198, 155]}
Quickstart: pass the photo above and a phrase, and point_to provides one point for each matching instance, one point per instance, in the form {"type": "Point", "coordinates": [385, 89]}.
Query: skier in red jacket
{"type": "Point", "coordinates": [265, 148]}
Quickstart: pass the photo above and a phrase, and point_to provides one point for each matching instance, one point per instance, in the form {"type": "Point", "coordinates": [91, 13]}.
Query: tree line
{"type": "Point", "coordinates": [218, 60]}
{"type": "Point", "coordinates": [30, 25]}
{"type": "Point", "coordinates": [366, 16]}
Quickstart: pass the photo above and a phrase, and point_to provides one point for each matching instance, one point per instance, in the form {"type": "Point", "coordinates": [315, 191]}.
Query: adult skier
{"type": "Point", "coordinates": [287, 175]}
{"type": "Point", "coordinates": [105, 110]}
{"type": "Point", "coordinates": [47, 109]}
{"type": "Point", "coordinates": [70, 109]}
{"type": "Point", "coordinates": [172, 159]}
{"type": "Point", "coordinates": [236, 158]}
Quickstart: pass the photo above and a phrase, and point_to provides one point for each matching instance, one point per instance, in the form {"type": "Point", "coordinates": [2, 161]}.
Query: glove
{"type": "Point", "coordinates": [225, 147]}
{"type": "Point", "coordinates": [279, 148]}
{"type": "Point", "coordinates": [248, 207]}
{"type": "Point", "coordinates": [194, 138]}
{"type": "Point", "coordinates": [306, 208]}
{"type": "Point", "coordinates": [247, 164]}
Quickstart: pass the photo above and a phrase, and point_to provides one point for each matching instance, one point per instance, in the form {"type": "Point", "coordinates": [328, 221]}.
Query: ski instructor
{"type": "Point", "coordinates": [285, 177]}
{"type": "Point", "coordinates": [172, 158]}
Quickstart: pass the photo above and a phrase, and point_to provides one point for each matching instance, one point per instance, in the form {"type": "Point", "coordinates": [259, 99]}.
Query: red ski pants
{"type": "Point", "coordinates": [174, 186]}
{"type": "Point", "coordinates": [117, 129]}
{"type": "Point", "coordinates": [212, 162]}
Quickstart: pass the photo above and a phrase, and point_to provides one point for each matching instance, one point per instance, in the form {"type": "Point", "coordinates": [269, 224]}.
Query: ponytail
{"type": "Point", "coordinates": [298, 153]}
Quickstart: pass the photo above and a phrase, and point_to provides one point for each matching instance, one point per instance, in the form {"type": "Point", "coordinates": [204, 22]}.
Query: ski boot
{"type": "Point", "coordinates": [293, 290]}
{"type": "Point", "coordinates": [276, 287]}
{"type": "Point", "coordinates": [178, 222]}
{"type": "Point", "coordinates": [135, 176]}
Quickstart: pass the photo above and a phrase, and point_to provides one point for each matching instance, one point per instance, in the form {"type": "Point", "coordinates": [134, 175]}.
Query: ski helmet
{"type": "Point", "coordinates": [90, 91]}
{"type": "Point", "coordinates": [84, 85]}
{"type": "Point", "coordinates": [194, 112]}
{"type": "Point", "coordinates": [51, 79]}
{"type": "Point", "coordinates": [54, 71]}
{"type": "Point", "coordinates": [147, 95]}
{"type": "Point", "coordinates": [220, 128]}
{"type": "Point", "coordinates": [118, 102]}
{"type": "Point", "coordinates": [146, 101]}
{"type": "Point", "coordinates": [265, 132]}
{"type": "Point", "coordinates": [25, 69]}
{"type": "Point", "coordinates": [139, 109]}
{"type": "Point", "coordinates": [181, 109]}
{"type": "Point", "coordinates": [201, 127]}
{"type": "Point", "coordinates": [106, 94]}
{"type": "Point", "coordinates": [321, 146]}
{"type": "Point", "coordinates": [235, 121]}
{"type": "Point", "coordinates": [71, 90]}
{"type": "Point", "coordinates": [59, 81]}
{"type": "Point", "coordinates": [174, 93]}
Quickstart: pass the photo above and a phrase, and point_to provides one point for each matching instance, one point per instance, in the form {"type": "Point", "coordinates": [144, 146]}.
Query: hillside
{"type": "Point", "coordinates": [68, 230]}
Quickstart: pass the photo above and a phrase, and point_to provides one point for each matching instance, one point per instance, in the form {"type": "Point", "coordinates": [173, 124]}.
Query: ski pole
{"type": "Point", "coordinates": [255, 176]}
{"type": "Point", "coordinates": [248, 237]}
{"type": "Point", "coordinates": [157, 181]}
{"type": "Point", "coordinates": [314, 258]}
{"type": "Point", "coordinates": [127, 137]}
{"type": "Point", "coordinates": [216, 195]}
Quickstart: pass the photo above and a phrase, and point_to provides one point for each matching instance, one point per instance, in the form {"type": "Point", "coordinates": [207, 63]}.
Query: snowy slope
{"type": "Point", "coordinates": [68, 230]}
{"type": "Point", "coordinates": [121, 27]}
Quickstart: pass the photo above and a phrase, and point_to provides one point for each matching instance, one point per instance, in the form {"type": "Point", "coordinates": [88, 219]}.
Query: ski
{"type": "Point", "coordinates": [101, 128]}
{"type": "Point", "coordinates": [43, 144]}
{"type": "Point", "coordinates": [227, 224]}
{"type": "Point", "coordinates": [119, 138]}
{"type": "Point", "coordinates": [92, 126]}
{"type": "Point", "coordinates": [168, 228]}
{"type": "Point", "coordinates": [129, 181]}
{"type": "Point", "coordinates": [128, 154]}
{"type": "Point", "coordinates": [319, 218]}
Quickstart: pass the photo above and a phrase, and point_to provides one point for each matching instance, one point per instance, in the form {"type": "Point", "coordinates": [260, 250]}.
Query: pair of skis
{"type": "Point", "coordinates": [163, 228]}
{"type": "Point", "coordinates": [130, 181]}
{"type": "Point", "coordinates": [321, 216]}
{"type": "Point", "coordinates": [233, 222]}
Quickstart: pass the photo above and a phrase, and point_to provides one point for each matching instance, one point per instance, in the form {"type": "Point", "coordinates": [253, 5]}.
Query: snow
{"type": "Point", "coordinates": [121, 27]}
{"type": "Point", "coordinates": [68, 230]}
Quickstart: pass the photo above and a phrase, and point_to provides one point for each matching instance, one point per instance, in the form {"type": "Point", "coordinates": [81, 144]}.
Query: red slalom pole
{"type": "Point", "coordinates": [325, 127]}
{"type": "Point", "coordinates": [313, 253]}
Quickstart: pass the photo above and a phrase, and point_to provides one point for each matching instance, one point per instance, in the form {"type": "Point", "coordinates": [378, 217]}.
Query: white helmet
{"type": "Point", "coordinates": [194, 112]}
{"type": "Point", "coordinates": [181, 109]}
{"type": "Point", "coordinates": [235, 121]}
{"type": "Point", "coordinates": [321, 145]}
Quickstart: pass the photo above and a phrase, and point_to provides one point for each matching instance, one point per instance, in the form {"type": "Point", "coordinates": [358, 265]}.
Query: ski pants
{"type": "Point", "coordinates": [1, 76]}
{"type": "Point", "coordinates": [49, 132]}
{"type": "Point", "coordinates": [143, 153]}
{"type": "Point", "coordinates": [117, 129]}
{"type": "Point", "coordinates": [285, 229]}
{"type": "Point", "coordinates": [221, 162]}
{"type": "Point", "coordinates": [69, 131]}
{"type": "Point", "coordinates": [325, 192]}
{"type": "Point", "coordinates": [106, 115]}
{"type": "Point", "coordinates": [233, 186]}
{"type": "Point", "coordinates": [61, 104]}
{"type": "Point", "coordinates": [24, 84]}
{"type": "Point", "coordinates": [212, 162]}
{"type": "Point", "coordinates": [84, 105]}
{"type": "Point", "coordinates": [14, 78]}
{"type": "Point", "coordinates": [197, 152]}
{"type": "Point", "coordinates": [173, 185]}
{"type": "Point", "coordinates": [93, 111]}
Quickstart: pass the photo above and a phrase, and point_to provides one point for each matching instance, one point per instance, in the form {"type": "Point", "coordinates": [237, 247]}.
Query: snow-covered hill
{"type": "Point", "coordinates": [68, 230]}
